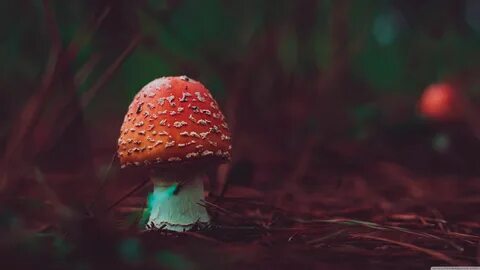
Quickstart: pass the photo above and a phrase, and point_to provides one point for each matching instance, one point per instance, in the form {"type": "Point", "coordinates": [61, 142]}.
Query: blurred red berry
{"type": "Point", "coordinates": [439, 102]}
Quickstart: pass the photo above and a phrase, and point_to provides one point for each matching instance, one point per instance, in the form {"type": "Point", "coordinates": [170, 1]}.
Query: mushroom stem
{"type": "Point", "coordinates": [175, 205]}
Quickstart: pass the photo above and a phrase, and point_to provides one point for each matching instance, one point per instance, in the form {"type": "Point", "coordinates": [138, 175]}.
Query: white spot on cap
{"type": "Point", "coordinates": [184, 96]}
{"type": "Point", "coordinates": [203, 135]}
{"type": "Point", "coordinates": [163, 133]}
{"type": "Point", "coordinates": [184, 78]}
{"type": "Point", "coordinates": [213, 105]}
{"type": "Point", "coordinates": [192, 118]}
{"type": "Point", "coordinates": [199, 97]}
{"type": "Point", "coordinates": [212, 143]}
{"type": "Point", "coordinates": [207, 153]}
{"type": "Point", "coordinates": [195, 109]}
{"type": "Point", "coordinates": [203, 122]}
{"type": "Point", "coordinates": [191, 155]}
{"type": "Point", "coordinates": [170, 100]}
{"type": "Point", "coordinates": [207, 112]}
{"type": "Point", "coordinates": [169, 144]}
{"type": "Point", "coordinates": [194, 134]}
{"type": "Point", "coordinates": [161, 101]}
{"type": "Point", "coordinates": [215, 129]}
{"type": "Point", "coordinates": [153, 86]}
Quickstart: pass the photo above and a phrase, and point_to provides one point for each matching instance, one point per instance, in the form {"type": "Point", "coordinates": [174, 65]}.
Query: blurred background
{"type": "Point", "coordinates": [331, 103]}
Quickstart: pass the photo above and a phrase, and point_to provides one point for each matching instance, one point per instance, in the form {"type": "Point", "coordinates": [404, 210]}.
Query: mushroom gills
{"type": "Point", "coordinates": [175, 206]}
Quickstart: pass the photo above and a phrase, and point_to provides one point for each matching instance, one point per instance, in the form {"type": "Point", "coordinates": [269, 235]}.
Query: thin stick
{"type": "Point", "coordinates": [137, 188]}
{"type": "Point", "coordinates": [90, 93]}
{"type": "Point", "coordinates": [31, 110]}
{"type": "Point", "coordinates": [103, 181]}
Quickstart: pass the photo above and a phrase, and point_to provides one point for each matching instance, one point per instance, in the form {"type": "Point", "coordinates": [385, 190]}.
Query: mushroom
{"type": "Point", "coordinates": [174, 127]}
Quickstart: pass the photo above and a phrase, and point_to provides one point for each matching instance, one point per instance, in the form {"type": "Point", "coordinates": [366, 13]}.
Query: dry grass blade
{"type": "Point", "coordinates": [135, 189]}
{"type": "Point", "coordinates": [435, 254]}
{"type": "Point", "coordinates": [427, 235]}
{"type": "Point", "coordinates": [317, 241]}
{"type": "Point", "coordinates": [219, 208]}
{"type": "Point", "coordinates": [68, 117]}
{"type": "Point", "coordinates": [415, 217]}
{"type": "Point", "coordinates": [464, 235]}
{"type": "Point", "coordinates": [86, 33]}
{"type": "Point", "coordinates": [86, 70]}
{"type": "Point", "coordinates": [90, 93]}
{"type": "Point", "coordinates": [61, 209]}
{"type": "Point", "coordinates": [344, 221]}
{"type": "Point", "coordinates": [31, 110]}
{"type": "Point", "coordinates": [103, 182]}
{"type": "Point", "coordinates": [376, 226]}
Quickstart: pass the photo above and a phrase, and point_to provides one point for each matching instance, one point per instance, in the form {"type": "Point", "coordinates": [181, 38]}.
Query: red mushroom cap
{"type": "Point", "coordinates": [173, 120]}
{"type": "Point", "coordinates": [439, 102]}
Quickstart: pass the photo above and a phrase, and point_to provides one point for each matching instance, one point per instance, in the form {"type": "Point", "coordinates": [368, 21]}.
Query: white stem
{"type": "Point", "coordinates": [175, 206]}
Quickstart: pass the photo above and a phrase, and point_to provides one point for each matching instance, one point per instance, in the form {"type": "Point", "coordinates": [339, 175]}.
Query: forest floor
{"type": "Point", "coordinates": [402, 222]}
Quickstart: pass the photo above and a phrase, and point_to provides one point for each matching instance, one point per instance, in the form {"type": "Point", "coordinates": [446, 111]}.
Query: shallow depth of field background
{"type": "Point", "coordinates": [321, 96]}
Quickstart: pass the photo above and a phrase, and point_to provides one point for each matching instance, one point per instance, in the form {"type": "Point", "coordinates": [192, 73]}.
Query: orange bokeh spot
{"type": "Point", "coordinates": [439, 102]}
